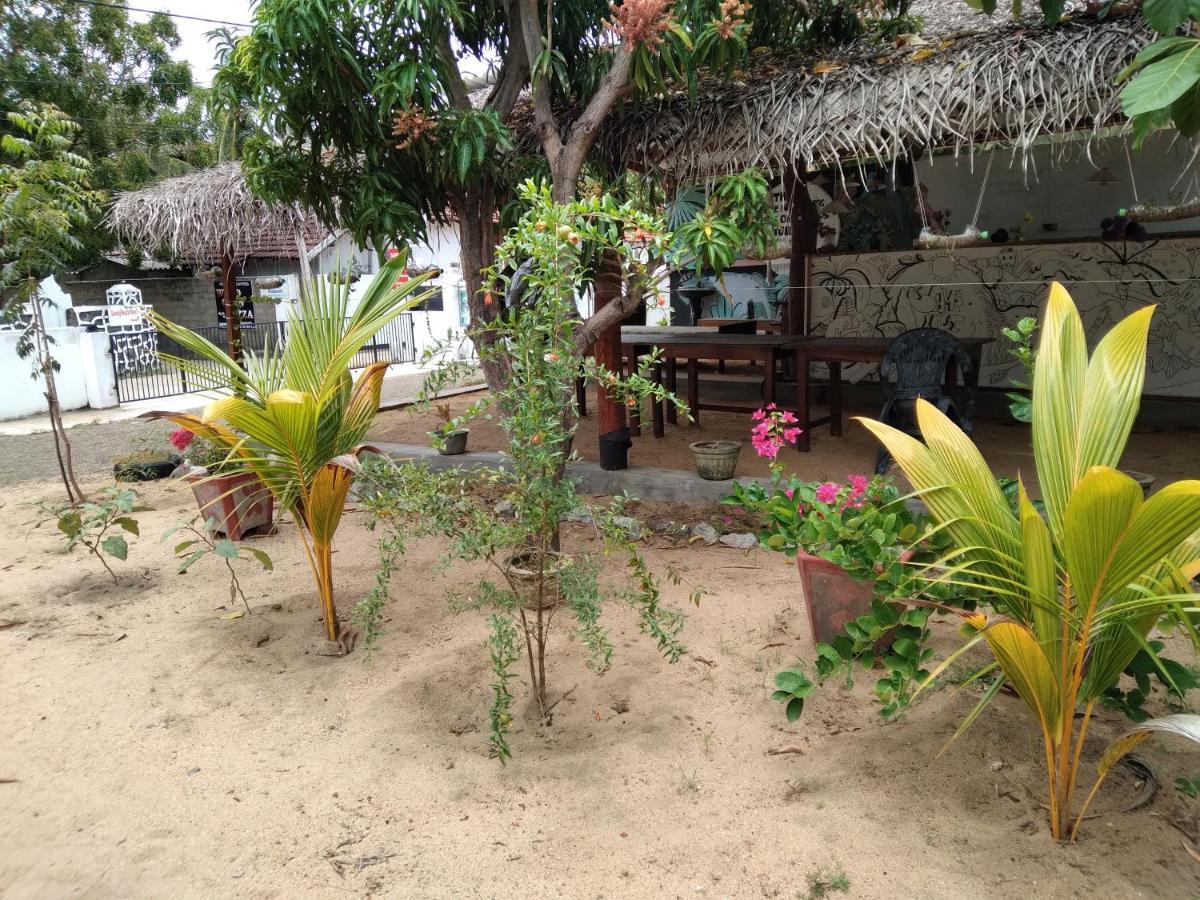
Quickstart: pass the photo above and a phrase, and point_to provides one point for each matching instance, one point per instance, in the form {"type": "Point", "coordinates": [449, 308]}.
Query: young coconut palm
{"type": "Point", "coordinates": [1074, 594]}
{"type": "Point", "coordinates": [296, 418]}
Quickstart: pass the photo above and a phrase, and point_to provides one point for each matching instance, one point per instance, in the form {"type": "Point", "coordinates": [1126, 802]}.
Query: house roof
{"type": "Point", "coordinates": [199, 217]}
{"type": "Point", "coordinates": [967, 79]}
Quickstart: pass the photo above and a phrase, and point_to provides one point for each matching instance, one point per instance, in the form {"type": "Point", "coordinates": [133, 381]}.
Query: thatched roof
{"type": "Point", "coordinates": [968, 79]}
{"type": "Point", "coordinates": [199, 217]}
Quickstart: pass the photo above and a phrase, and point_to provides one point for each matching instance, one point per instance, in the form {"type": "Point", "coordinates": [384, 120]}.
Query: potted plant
{"type": "Point", "coordinates": [716, 460]}
{"type": "Point", "coordinates": [232, 497]}
{"type": "Point", "coordinates": [145, 465]}
{"type": "Point", "coordinates": [448, 438]}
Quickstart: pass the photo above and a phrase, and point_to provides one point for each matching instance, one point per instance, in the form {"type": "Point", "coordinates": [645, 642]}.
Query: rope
{"type": "Point", "coordinates": [982, 188]}
{"type": "Point", "coordinates": [920, 196]}
{"type": "Point", "coordinates": [1132, 177]}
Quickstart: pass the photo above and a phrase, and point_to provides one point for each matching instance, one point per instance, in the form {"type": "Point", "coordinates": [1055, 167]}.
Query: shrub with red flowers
{"type": "Point", "coordinates": [199, 452]}
{"type": "Point", "coordinates": [773, 429]}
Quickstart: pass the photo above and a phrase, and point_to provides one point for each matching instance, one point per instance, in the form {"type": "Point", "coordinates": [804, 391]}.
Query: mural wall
{"type": "Point", "coordinates": [974, 292]}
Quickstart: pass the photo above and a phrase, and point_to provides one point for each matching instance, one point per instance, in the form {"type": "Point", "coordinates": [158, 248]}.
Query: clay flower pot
{"type": "Point", "coordinates": [831, 596]}
{"type": "Point", "coordinates": [238, 502]}
{"type": "Point", "coordinates": [716, 460]}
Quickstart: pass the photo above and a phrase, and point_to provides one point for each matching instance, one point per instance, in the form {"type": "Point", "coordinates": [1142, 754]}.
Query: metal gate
{"type": "Point", "coordinates": [141, 374]}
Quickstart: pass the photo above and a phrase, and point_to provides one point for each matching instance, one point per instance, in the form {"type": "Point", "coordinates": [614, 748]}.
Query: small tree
{"type": "Point", "coordinates": [45, 196]}
{"type": "Point", "coordinates": [535, 582]}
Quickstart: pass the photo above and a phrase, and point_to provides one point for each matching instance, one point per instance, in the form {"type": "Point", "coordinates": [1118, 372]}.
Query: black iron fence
{"type": "Point", "coordinates": [142, 375]}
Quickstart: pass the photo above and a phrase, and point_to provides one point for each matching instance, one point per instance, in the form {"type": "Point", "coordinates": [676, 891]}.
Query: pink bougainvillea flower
{"type": "Point", "coordinates": [827, 493]}
{"type": "Point", "coordinates": [181, 438]}
{"type": "Point", "coordinates": [791, 435]}
{"type": "Point", "coordinates": [790, 494]}
{"type": "Point", "coordinates": [788, 417]}
{"type": "Point", "coordinates": [772, 406]}
{"type": "Point", "coordinates": [858, 484]}
{"type": "Point", "coordinates": [758, 415]}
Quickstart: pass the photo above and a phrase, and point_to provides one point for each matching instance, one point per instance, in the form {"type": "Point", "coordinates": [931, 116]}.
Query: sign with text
{"type": "Point", "coordinates": [245, 291]}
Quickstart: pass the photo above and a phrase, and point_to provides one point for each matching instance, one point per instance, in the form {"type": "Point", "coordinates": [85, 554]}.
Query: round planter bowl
{"type": "Point", "coordinates": [523, 570]}
{"type": "Point", "coordinates": [716, 460]}
{"type": "Point", "coordinates": [454, 443]}
{"type": "Point", "coordinates": [146, 471]}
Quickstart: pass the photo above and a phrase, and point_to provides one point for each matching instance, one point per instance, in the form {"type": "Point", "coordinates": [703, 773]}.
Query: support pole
{"type": "Point", "coordinates": [805, 222]}
{"type": "Point", "coordinates": [233, 313]}
{"type": "Point", "coordinates": [610, 412]}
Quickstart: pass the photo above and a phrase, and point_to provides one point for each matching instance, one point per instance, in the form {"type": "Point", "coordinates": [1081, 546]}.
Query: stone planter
{"type": "Point", "coordinates": [831, 596]}
{"type": "Point", "coordinates": [716, 460]}
{"type": "Point", "coordinates": [523, 570]}
{"type": "Point", "coordinates": [454, 443]}
{"type": "Point", "coordinates": [238, 503]}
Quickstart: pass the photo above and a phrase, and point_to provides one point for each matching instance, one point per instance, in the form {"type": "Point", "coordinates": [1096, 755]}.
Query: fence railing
{"type": "Point", "coordinates": [150, 378]}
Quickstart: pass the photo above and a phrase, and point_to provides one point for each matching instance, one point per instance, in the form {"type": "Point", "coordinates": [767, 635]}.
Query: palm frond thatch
{"type": "Point", "coordinates": [200, 217]}
{"type": "Point", "coordinates": [966, 82]}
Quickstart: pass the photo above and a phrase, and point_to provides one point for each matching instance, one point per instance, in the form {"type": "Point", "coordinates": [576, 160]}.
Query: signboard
{"type": "Point", "coordinates": [245, 291]}
{"type": "Point", "coordinates": [124, 317]}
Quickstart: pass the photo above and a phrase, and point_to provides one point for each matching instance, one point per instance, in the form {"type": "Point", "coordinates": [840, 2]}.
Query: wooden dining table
{"type": "Point", "coordinates": [691, 346]}
{"type": "Point", "coordinates": [833, 351]}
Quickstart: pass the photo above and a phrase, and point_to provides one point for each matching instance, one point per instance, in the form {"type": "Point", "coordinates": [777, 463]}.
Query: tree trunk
{"type": "Point", "coordinates": [62, 447]}
{"type": "Point", "coordinates": [476, 252]}
{"type": "Point", "coordinates": [233, 313]}
{"type": "Point", "coordinates": [804, 221]}
{"type": "Point", "coordinates": [610, 412]}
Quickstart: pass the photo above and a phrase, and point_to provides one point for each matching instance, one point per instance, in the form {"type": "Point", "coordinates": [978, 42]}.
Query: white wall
{"type": "Point", "coordinates": [441, 251]}
{"type": "Point", "coordinates": [23, 395]}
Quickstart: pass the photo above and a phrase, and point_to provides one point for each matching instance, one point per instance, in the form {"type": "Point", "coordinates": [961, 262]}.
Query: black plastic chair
{"type": "Point", "coordinates": [915, 366]}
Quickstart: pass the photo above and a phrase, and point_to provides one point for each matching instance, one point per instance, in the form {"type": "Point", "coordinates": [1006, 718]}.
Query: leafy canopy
{"type": "Point", "coordinates": [371, 119]}
{"type": "Point", "coordinates": [137, 109]}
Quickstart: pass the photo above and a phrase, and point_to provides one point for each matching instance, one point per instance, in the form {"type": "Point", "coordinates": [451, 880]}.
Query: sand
{"type": "Point", "coordinates": [149, 748]}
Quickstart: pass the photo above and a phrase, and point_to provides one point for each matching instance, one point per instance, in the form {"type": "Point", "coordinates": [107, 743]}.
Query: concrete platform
{"type": "Point", "coordinates": [641, 482]}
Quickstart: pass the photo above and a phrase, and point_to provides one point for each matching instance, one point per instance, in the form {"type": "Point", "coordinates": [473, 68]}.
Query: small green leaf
{"type": "Point", "coordinates": [261, 556]}
{"type": "Point", "coordinates": [186, 564]}
{"type": "Point", "coordinates": [114, 545]}
{"type": "Point", "coordinates": [794, 708]}
{"type": "Point", "coordinates": [183, 545]}
{"type": "Point", "coordinates": [129, 524]}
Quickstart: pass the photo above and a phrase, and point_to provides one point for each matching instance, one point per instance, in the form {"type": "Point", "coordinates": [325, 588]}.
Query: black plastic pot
{"type": "Point", "coordinates": [454, 443]}
{"type": "Point", "coordinates": [614, 450]}
{"type": "Point", "coordinates": [146, 471]}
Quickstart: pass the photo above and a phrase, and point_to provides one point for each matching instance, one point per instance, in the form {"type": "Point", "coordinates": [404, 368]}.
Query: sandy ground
{"type": "Point", "coordinates": [149, 748]}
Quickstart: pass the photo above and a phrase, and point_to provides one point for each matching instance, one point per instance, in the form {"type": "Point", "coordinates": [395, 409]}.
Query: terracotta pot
{"type": "Point", "coordinates": [238, 503]}
{"type": "Point", "coordinates": [831, 596]}
{"type": "Point", "coordinates": [716, 460]}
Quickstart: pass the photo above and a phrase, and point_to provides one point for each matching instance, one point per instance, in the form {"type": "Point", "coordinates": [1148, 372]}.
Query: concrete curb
{"type": "Point", "coordinates": [641, 482]}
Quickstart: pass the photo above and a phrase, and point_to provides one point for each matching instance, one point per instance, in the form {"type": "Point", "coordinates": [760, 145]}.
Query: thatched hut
{"type": "Point", "coordinates": [212, 217]}
{"type": "Point", "coordinates": [986, 121]}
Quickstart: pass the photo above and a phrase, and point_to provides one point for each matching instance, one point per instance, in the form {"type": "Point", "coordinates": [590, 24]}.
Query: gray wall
{"type": "Point", "coordinates": [174, 293]}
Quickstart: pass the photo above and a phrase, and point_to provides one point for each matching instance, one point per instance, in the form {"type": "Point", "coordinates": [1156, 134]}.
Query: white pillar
{"type": "Point", "coordinates": [98, 374]}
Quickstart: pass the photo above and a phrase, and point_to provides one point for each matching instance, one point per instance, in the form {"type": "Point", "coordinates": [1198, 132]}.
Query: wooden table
{"type": "Point", "coordinates": [837, 350]}
{"type": "Point", "coordinates": [693, 347]}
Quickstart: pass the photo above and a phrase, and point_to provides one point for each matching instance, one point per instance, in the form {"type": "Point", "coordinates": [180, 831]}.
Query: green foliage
{"type": "Point", "coordinates": [331, 103]}
{"type": "Point", "coordinates": [204, 542]}
{"type": "Point", "coordinates": [139, 115]}
{"type": "Point", "coordinates": [533, 583]}
{"type": "Point", "coordinates": [1176, 678]}
{"type": "Point", "coordinates": [100, 526]}
{"type": "Point", "coordinates": [825, 881]}
{"type": "Point", "coordinates": [737, 216]}
{"type": "Point", "coordinates": [1188, 787]}
{"type": "Point", "coordinates": [1021, 340]}
{"type": "Point", "coordinates": [45, 199]}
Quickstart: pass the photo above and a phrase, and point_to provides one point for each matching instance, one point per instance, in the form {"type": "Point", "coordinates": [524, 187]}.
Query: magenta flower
{"type": "Point", "coordinates": [827, 492]}
{"type": "Point", "coordinates": [181, 438]}
{"type": "Point", "coordinates": [791, 435]}
{"type": "Point", "coordinates": [858, 484]}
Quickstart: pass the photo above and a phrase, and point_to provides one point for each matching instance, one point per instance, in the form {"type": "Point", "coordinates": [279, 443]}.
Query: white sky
{"type": "Point", "coordinates": [194, 46]}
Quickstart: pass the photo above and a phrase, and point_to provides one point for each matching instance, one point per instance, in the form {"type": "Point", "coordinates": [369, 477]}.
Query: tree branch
{"type": "Point", "coordinates": [514, 72]}
{"type": "Point", "coordinates": [457, 88]}
{"type": "Point", "coordinates": [612, 314]}
{"type": "Point", "coordinates": [544, 122]}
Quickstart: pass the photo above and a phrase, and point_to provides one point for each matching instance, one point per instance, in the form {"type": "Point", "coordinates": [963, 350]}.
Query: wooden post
{"type": "Point", "coordinates": [610, 412]}
{"type": "Point", "coordinates": [233, 313]}
{"type": "Point", "coordinates": [804, 223]}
